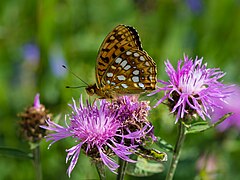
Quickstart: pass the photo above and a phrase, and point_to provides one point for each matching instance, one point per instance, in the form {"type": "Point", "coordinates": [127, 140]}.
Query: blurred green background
{"type": "Point", "coordinates": [37, 37]}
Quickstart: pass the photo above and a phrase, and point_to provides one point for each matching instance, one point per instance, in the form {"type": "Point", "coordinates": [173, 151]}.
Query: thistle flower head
{"type": "Point", "coordinates": [133, 115]}
{"type": "Point", "coordinates": [31, 119]}
{"type": "Point", "coordinates": [99, 133]}
{"type": "Point", "coordinates": [191, 88]}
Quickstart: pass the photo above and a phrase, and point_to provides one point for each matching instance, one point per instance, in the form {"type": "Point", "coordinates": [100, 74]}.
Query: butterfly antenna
{"type": "Point", "coordinates": [75, 86]}
{"type": "Point", "coordinates": [75, 76]}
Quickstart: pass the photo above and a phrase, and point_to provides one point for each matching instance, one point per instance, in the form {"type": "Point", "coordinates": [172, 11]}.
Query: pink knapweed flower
{"type": "Point", "coordinates": [191, 88]}
{"type": "Point", "coordinates": [98, 132]}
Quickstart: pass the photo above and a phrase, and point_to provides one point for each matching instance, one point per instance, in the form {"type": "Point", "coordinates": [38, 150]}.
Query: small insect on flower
{"type": "Point", "coordinates": [191, 88]}
{"type": "Point", "coordinates": [98, 133]}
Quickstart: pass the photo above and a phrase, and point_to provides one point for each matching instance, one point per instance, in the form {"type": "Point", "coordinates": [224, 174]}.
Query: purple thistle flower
{"type": "Point", "coordinates": [230, 104]}
{"type": "Point", "coordinates": [191, 88]}
{"type": "Point", "coordinates": [99, 133]}
{"type": "Point", "coordinates": [31, 120]}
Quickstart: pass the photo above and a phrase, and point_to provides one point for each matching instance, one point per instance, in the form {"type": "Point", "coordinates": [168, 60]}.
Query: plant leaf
{"type": "Point", "coordinates": [143, 167]}
{"type": "Point", "coordinates": [161, 143]}
{"type": "Point", "coordinates": [204, 125]}
{"type": "Point", "coordinates": [15, 153]}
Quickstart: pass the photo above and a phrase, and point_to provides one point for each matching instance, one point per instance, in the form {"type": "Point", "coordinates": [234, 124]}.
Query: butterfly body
{"type": "Point", "coordinates": [103, 93]}
{"type": "Point", "coordinates": [123, 67]}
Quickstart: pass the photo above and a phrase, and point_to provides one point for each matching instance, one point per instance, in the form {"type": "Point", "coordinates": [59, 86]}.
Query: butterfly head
{"type": "Point", "coordinates": [102, 94]}
{"type": "Point", "coordinates": [91, 89]}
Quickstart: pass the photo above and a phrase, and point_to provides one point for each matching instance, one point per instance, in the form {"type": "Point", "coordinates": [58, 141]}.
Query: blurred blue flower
{"type": "Point", "coordinates": [191, 88]}
{"type": "Point", "coordinates": [57, 59]}
{"type": "Point", "coordinates": [195, 5]}
{"type": "Point", "coordinates": [31, 53]}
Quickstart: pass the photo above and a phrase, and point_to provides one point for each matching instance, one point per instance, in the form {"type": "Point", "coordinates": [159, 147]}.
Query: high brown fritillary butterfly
{"type": "Point", "coordinates": [123, 67]}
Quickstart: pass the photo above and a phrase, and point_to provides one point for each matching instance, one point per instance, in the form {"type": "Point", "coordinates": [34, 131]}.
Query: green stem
{"type": "Point", "coordinates": [37, 163]}
{"type": "Point", "coordinates": [177, 150]}
{"type": "Point", "coordinates": [121, 169]}
{"type": "Point", "coordinates": [100, 169]}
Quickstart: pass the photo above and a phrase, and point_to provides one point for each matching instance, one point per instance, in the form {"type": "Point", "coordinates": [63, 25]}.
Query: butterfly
{"type": "Point", "coordinates": [123, 67]}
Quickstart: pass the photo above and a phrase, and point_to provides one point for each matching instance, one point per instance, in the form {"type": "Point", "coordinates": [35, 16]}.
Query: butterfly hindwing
{"type": "Point", "coordinates": [132, 72]}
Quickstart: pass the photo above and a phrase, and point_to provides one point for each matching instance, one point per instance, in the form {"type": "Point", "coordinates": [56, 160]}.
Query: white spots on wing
{"type": "Point", "coordinates": [150, 70]}
{"type": "Point", "coordinates": [136, 72]}
{"type": "Point", "coordinates": [136, 54]}
{"type": "Point", "coordinates": [124, 86]}
{"type": "Point", "coordinates": [113, 83]}
{"type": "Point", "coordinates": [127, 67]}
{"type": "Point", "coordinates": [142, 58]}
{"type": "Point", "coordinates": [147, 64]}
{"type": "Point", "coordinates": [128, 53]}
{"type": "Point", "coordinates": [151, 77]}
{"type": "Point", "coordinates": [121, 77]}
{"type": "Point", "coordinates": [108, 82]}
{"type": "Point", "coordinates": [135, 79]}
{"type": "Point", "coordinates": [141, 85]}
{"type": "Point", "coordinates": [110, 74]}
{"type": "Point", "coordinates": [117, 87]}
{"type": "Point", "coordinates": [124, 63]}
{"type": "Point", "coordinates": [118, 60]}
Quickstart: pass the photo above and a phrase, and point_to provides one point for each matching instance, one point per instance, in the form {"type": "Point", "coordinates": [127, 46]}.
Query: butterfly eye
{"type": "Point", "coordinates": [90, 90]}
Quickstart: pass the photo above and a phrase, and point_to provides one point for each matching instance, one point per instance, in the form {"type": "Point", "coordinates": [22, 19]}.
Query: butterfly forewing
{"type": "Point", "coordinates": [131, 72]}
{"type": "Point", "coordinates": [119, 40]}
